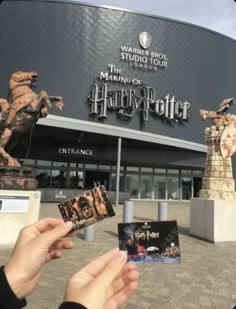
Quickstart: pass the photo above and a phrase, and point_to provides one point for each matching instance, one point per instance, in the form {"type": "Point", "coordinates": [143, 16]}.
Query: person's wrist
{"type": "Point", "coordinates": [15, 280]}
{"type": "Point", "coordinates": [8, 298]}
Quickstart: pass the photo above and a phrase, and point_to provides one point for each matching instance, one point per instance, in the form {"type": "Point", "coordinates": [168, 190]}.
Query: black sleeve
{"type": "Point", "coordinates": [71, 305]}
{"type": "Point", "coordinates": [8, 298]}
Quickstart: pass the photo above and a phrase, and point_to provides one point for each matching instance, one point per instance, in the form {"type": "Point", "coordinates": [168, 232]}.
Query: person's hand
{"type": "Point", "coordinates": [36, 244]}
{"type": "Point", "coordinates": [106, 282]}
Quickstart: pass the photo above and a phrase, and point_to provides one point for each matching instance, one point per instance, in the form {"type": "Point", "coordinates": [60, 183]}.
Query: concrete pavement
{"type": "Point", "coordinates": [206, 277]}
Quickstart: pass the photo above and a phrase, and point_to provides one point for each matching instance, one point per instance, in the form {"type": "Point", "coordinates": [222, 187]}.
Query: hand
{"type": "Point", "coordinates": [104, 283]}
{"type": "Point", "coordinates": [36, 244]}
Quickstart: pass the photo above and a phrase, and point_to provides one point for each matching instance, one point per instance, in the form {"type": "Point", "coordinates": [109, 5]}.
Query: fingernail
{"type": "Point", "coordinates": [68, 224]}
{"type": "Point", "coordinates": [121, 257]}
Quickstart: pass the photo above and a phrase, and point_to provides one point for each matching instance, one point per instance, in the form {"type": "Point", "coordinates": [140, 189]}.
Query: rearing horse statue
{"type": "Point", "coordinates": [22, 111]}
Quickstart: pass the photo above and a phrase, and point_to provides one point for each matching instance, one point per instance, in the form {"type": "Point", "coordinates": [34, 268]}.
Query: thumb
{"type": "Point", "coordinates": [49, 237]}
{"type": "Point", "coordinates": [112, 270]}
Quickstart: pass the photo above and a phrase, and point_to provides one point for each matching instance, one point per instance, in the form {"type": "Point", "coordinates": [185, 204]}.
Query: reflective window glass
{"type": "Point", "coordinates": [43, 177]}
{"type": "Point", "coordinates": [173, 188]}
{"type": "Point", "coordinates": [132, 169]}
{"type": "Point", "coordinates": [80, 180]}
{"type": "Point", "coordinates": [113, 182]}
{"type": "Point", "coordinates": [72, 165]}
{"type": "Point", "coordinates": [72, 179]}
{"type": "Point", "coordinates": [147, 169]}
{"type": "Point", "coordinates": [91, 166]}
{"type": "Point", "coordinates": [186, 185]}
{"type": "Point", "coordinates": [159, 187]}
{"type": "Point", "coordinates": [114, 168]}
{"type": "Point", "coordinates": [44, 163]}
{"type": "Point", "coordinates": [58, 178]}
{"type": "Point", "coordinates": [132, 185]}
{"type": "Point", "coordinates": [186, 172]}
{"type": "Point", "coordinates": [146, 187]}
{"type": "Point", "coordinates": [28, 162]}
{"type": "Point", "coordinates": [160, 170]}
{"type": "Point", "coordinates": [199, 173]}
{"type": "Point", "coordinates": [104, 167]}
{"type": "Point", "coordinates": [170, 171]}
{"type": "Point", "coordinates": [59, 163]}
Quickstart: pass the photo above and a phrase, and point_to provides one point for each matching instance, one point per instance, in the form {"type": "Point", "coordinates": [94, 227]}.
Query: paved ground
{"type": "Point", "coordinates": [206, 277]}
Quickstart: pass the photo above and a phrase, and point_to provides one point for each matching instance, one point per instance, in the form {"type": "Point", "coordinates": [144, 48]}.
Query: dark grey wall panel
{"type": "Point", "coordinates": [69, 44]}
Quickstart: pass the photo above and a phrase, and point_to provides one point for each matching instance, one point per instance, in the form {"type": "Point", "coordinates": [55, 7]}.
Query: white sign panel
{"type": "Point", "coordinates": [14, 203]}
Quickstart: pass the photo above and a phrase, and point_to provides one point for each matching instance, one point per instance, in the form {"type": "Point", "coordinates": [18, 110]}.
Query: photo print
{"type": "Point", "coordinates": [150, 242]}
{"type": "Point", "coordinates": [87, 208]}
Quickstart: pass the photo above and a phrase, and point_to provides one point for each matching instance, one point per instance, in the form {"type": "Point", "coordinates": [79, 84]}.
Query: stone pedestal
{"type": "Point", "coordinates": [213, 220]}
{"type": "Point", "coordinates": [17, 209]}
{"type": "Point", "coordinates": [17, 178]}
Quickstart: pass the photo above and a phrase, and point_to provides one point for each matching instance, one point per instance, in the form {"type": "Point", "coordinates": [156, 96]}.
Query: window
{"type": "Point", "coordinates": [114, 168]}
{"type": "Point", "coordinates": [59, 177]}
{"type": "Point", "coordinates": [160, 170]}
{"type": "Point", "coordinates": [59, 164]}
{"type": "Point", "coordinates": [43, 178]}
{"type": "Point", "coordinates": [44, 163]}
{"type": "Point", "coordinates": [132, 169]}
{"type": "Point", "coordinates": [173, 171]}
{"type": "Point", "coordinates": [147, 169]}
{"type": "Point", "coordinates": [132, 185]}
{"type": "Point", "coordinates": [91, 166]}
{"type": "Point", "coordinates": [146, 187]}
{"type": "Point", "coordinates": [186, 186]}
{"type": "Point", "coordinates": [198, 173]}
{"type": "Point", "coordinates": [104, 167]}
{"type": "Point", "coordinates": [172, 188]}
{"type": "Point", "coordinates": [113, 182]}
{"type": "Point", "coordinates": [159, 187]}
{"type": "Point", "coordinates": [28, 162]}
{"type": "Point", "coordinates": [186, 172]}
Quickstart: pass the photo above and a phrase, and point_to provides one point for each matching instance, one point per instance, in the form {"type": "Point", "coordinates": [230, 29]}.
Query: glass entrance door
{"type": "Point", "coordinates": [96, 178]}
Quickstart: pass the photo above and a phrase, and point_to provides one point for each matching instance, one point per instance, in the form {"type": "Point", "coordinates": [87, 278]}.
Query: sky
{"type": "Point", "coordinates": [217, 15]}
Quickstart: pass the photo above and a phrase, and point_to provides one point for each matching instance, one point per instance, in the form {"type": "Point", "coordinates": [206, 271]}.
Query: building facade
{"type": "Point", "coordinates": [132, 86]}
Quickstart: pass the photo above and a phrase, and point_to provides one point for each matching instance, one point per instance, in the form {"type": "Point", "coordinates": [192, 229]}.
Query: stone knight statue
{"type": "Point", "coordinates": [220, 137]}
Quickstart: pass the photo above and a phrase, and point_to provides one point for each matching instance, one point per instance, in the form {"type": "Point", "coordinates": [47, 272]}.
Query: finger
{"type": "Point", "coordinates": [46, 223]}
{"type": "Point", "coordinates": [62, 244]}
{"type": "Point", "coordinates": [96, 266]}
{"type": "Point", "coordinates": [120, 297]}
{"type": "Point", "coordinates": [50, 236]}
{"type": "Point", "coordinates": [55, 254]}
{"type": "Point", "coordinates": [121, 281]}
{"type": "Point", "coordinates": [32, 230]}
{"type": "Point", "coordinates": [111, 271]}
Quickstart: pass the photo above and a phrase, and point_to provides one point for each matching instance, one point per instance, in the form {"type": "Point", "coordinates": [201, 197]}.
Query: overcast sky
{"type": "Point", "coordinates": [217, 15]}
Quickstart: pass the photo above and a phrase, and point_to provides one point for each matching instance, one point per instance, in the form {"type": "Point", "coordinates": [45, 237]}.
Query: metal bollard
{"type": "Point", "coordinates": [128, 212]}
{"type": "Point", "coordinates": [89, 233]}
{"type": "Point", "coordinates": [162, 211]}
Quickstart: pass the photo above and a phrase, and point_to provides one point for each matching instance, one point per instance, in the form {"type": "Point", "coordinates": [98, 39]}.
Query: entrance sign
{"type": "Point", "coordinates": [75, 151]}
{"type": "Point", "coordinates": [143, 58]}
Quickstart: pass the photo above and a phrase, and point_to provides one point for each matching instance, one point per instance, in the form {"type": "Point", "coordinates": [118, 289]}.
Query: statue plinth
{"type": "Point", "coordinates": [213, 220]}
{"type": "Point", "coordinates": [17, 178]}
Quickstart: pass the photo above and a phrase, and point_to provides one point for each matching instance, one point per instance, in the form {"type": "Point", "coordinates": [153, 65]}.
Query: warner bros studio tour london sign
{"type": "Point", "coordinates": [127, 96]}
